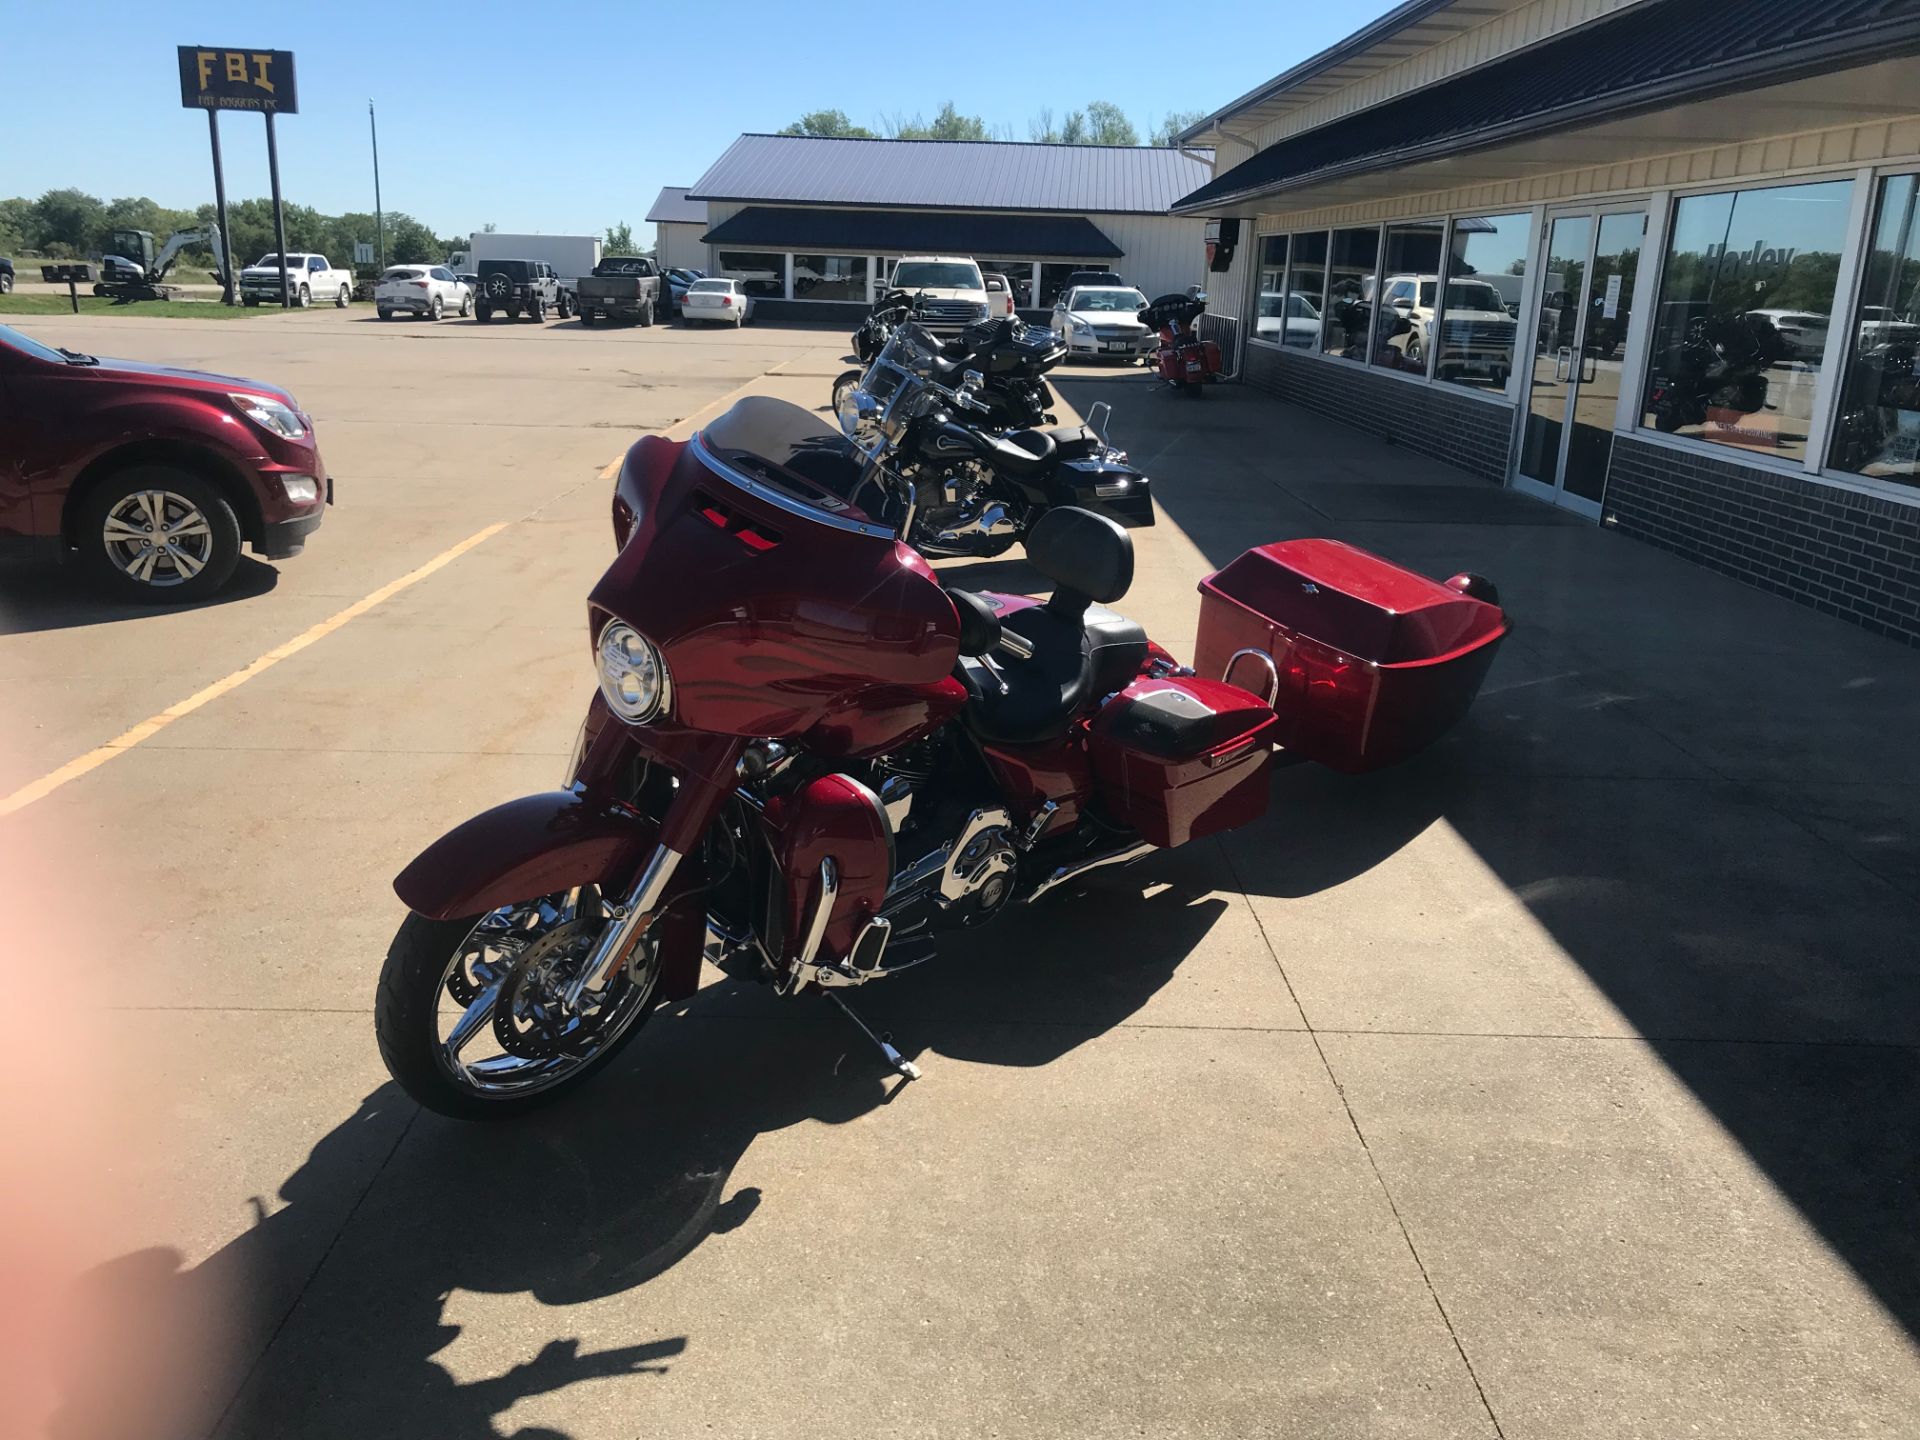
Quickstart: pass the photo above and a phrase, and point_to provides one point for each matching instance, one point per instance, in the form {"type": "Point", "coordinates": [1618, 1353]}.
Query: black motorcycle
{"type": "Point", "coordinates": [1719, 363]}
{"type": "Point", "coordinates": [1011, 357]}
{"type": "Point", "coordinates": [959, 481]}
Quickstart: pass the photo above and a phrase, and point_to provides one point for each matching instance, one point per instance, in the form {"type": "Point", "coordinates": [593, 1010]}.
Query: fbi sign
{"type": "Point", "coordinates": [220, 78]}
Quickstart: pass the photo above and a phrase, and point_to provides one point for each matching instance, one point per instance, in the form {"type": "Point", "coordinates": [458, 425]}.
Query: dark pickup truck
{"type": "Point", "coordinates": [623, 287]}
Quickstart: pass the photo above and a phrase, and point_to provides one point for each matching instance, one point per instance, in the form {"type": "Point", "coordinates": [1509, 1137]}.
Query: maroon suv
{"type": "Point", "coordinates": [152, 477]}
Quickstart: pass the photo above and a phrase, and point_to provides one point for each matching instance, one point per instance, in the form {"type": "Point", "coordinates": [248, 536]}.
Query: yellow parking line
{"type": "Point", "coordinates": [154, 724]}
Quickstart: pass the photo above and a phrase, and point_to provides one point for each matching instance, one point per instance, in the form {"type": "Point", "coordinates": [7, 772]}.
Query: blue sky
{"type": "Point", "coordinates": [577, 123]}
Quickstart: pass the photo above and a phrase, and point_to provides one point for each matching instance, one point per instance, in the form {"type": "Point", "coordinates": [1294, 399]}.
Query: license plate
{"type": "Point", "coordinates": [1114, 345]}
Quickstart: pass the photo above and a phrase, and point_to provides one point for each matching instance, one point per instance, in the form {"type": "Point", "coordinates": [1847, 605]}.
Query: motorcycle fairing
{"type": "Point", "coordinates": [836, 818]}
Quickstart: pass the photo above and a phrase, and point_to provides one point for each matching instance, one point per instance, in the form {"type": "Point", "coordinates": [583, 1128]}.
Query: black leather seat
{"type": "Point", "coordinates": [1080, 649]}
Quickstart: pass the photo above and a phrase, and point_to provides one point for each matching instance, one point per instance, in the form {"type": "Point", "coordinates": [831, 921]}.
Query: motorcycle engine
{"type": "Point", "coordinates": [957, 861]}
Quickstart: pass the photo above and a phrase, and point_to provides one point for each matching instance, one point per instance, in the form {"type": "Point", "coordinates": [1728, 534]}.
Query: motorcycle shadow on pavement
{"type": "Point", "coordinates": [606, 1190]}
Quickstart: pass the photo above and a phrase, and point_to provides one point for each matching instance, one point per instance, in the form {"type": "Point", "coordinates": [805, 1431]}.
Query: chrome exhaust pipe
{"type": "Point", "coordinates": [1131, 851]}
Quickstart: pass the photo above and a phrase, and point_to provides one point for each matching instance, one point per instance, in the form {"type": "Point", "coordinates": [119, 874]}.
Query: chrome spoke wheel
{"type": "Point", "coordinates": [503, 1027]}
{"type": "Point", "coordinates": [157, 537]}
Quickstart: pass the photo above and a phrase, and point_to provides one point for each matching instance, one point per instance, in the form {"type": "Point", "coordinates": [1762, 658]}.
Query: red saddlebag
{"type": "Point", "coordinates": [1180, 758]}
{"type": "Point", "coordinates": [1369, 662]}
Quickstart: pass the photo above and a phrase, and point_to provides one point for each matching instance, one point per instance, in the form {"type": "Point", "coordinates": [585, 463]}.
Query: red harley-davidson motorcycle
{"type": "Point", "coordinates": [808, 759]}
{"type": "Point", "coordinates": [1184, 360]}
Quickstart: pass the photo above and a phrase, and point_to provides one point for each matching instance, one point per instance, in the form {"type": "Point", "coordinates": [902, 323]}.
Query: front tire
{"type": "Point", "coordinates": [158, 535]}
{"type": "Point", "coordinates": [340, 300]}
{"type": "Point", "coordinates": [416, 1001]}
{"type": "Point", "coordinates": [435, 309]}
{"type": "Point", "coordinates": [306, 297]}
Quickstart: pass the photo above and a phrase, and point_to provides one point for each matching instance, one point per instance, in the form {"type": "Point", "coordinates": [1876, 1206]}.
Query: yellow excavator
{"type": "Point", "coordinates": [134, 272]}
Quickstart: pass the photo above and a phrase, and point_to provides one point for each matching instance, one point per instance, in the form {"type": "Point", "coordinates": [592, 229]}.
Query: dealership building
{"type": "Point", "coordinates": [1654, 261]}
{"type": "Point", "coordinates": [812, 225]}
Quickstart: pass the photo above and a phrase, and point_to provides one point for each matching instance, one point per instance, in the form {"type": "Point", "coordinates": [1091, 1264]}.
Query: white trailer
{"type": "Point", "coordinates": [571, 256]}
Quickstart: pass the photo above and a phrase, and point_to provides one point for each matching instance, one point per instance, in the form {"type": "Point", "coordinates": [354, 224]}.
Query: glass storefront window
{"type": "Point", "coordinates": [830, 277]}
{"type": "Point", "coordinates": [1347, 316]}
{"type": "Point", "coordinates": [1306, 289]}
{"type": "Point", "coordinates": [1741, 327]}
{"type": "Point", "coordinates": [760, 273]}
{"type": "Point", "coordinates": [1053, 279]}
{"type": "Point", "coordinates": [1878, 430]}
{"type": "Point", "coordinates": [1271, 315]}
{"type": "Point", "coordinates": [1409, 274]}
{"type": "Point", "coordinates": [1486, 274]}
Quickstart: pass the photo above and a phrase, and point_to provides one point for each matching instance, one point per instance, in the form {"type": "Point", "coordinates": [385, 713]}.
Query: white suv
{"type": "Point", "coordinates": [1477, 334]}
{"type": "Point", "coordinates": [956, 292]}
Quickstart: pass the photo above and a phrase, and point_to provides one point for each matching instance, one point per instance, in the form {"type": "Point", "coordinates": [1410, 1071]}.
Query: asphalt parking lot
{"type": "Point", "coordinates": [1562, 1083]}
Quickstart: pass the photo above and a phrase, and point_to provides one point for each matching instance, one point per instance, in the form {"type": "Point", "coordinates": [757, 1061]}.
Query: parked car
{"type": "Point", "coordinates": [1880, 325]}
{"type": "Point", "coordinates": [516, 287]}
{"type": "Point", "coordinates": [1477, 334]}
{"type": "Point", "coordinates": [999, 295]}
{"type": "Point", "coordinates": [1093, 277]}
{"type": "Point", "coordinates": [621, 287]}
{"type": "Point", "coordinates": [716, 302]}
{"type": "Point", "coordinates": [309, 278]}
{"type": "Point", "coordinates": [1104, 320]}
{"type": "Point", "coordinates": [153, 478]}
{"type": "Point", "coordinates": [429, 290]}
{"type": "Point", "coordinates": [6, 276]}
{"type": "Point", "coordinates": [955, 291]}
{"type": "Point", "coordinates": [1805, 331]}
{"type": "Point", "coordinates": [1289, 319]}
{"type": "Point", "coordinates": [678, 280]}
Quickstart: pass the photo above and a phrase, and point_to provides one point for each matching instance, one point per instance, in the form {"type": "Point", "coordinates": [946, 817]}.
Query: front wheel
{"type": "Point", "coordinates": [470, 1015]}
{"type": "Point", "coordinates": [306, 297]}
{"type": "Point", "coordinates": [435, 309]}
{"type": "Point", "coordinates": [340, 300]}
{"type": "Point", "coordinates": [158, 534]}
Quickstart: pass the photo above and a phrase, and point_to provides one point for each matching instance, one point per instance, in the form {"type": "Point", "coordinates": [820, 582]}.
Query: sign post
{"type": "Point", "coordinates": [215, 78]}
{"type": "Point", "coordinates": [225, 257]}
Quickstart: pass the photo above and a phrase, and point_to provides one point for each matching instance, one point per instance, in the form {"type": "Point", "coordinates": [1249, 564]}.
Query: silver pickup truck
{"type": "Point", "coordinates": [621, 287]}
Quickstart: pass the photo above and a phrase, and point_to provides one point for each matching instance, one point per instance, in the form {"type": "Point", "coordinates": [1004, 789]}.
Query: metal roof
{"type": "Point", "coordinates": [915, 232]}
{"type": "Point", "coordinates": [953, 174]}
{"type": "Point", "coordinates": [1646, 58]}
{"type": "Point", "coordinates": [673, 208]}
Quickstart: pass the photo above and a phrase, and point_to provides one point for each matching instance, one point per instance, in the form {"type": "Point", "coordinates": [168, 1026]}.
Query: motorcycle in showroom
{"type": "Point", "coordinates": [1719, 363]}
{"type": "Point", "coordinates": [808, 758]}
{"type": "Point", "coordinates": [965, 482]}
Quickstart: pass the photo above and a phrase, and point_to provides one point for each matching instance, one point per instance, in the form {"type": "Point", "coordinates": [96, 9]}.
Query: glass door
{"type": "Point", "coordinates": [1585, 304]}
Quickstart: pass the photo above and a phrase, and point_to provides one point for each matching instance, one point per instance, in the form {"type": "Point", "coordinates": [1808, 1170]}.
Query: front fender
{"type": "Point", "coordinates": [540, 844]}
{"type": "Point", "coordinates": [525, 848]}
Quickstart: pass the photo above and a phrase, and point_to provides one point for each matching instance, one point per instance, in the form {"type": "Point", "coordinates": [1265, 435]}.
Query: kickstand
{"type": "Point", "coordinates": [895, 1060]}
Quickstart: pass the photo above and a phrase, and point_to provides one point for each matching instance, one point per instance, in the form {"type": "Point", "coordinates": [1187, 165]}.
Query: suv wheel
{"type": "Point", "coordinates": [435, 309]}
{"type": "Point", "coordinates": [646, 313]}
{"type": "Point", "coordinates": [538, 309]}
{"type": "Point", "coordinates": [340, 300]}
{"type": "Point", "coordinates": [306, 297]}
{"type": "Point", "coordinates": [566, 305]}
{"type": "Point", "coordinates": [157, 533]}
{"type": "Point", "coordinates": [513, 312]}
{"type": "Point", "coordinates": [586, 317]}
{"type": "Point", "coordinates": [483, 312]}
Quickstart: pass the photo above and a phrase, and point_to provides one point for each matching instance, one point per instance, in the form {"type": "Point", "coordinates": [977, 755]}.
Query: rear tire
{"type": "Point", "coordinates": [646, 314]}
{"type": "Point", "coordinates": [385, 312]}
{"type": "Point", "coordinates": [1194, 389]}
{"type": "Point", "coordinates": [586, 317]}
{"type": "Point", "coordinates": [250, 301]}
{"type": "Point", "coordinates": [537, 311]}
{"type": "Point", "coordinates": [218, 556]}
{"type": "Point", "coordinates": [483, 313]}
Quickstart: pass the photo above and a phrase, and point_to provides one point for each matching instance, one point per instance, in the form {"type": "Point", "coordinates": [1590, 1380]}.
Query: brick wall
{"type": "Point", "coordinates": [1435, 420]}
{"type": "Point", "coordinates": [1846, 554]}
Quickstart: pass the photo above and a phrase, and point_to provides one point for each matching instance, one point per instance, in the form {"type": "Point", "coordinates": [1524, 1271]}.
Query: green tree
{"type": "Point", "coordinates": [620, 240]}
{"type": "Point", "coordinates": [827, 122]}
{"type": "Point", "coordinates": [16, 224]}
{"type": "Point", "coordinates": [1107, 124]}
{"type": "Point", "coordinates": [66, 222]}
{"type": "Point", "coordinates": [947, 124]}
{"type": "Point", "coordinates": [1171, 124]}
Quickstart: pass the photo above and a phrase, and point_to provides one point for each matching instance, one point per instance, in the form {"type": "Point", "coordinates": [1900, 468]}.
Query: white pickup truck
{"type": "Point", "coordinates": [954, 290]}
{"type": "Point", "coordinates": [310, 279]}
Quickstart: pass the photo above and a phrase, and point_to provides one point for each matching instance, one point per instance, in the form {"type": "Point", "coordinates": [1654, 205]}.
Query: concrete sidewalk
{"type": "Point", "coordinates": [1560, 1083]}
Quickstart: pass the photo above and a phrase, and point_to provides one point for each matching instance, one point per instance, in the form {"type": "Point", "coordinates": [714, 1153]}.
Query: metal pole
{"type": "Point", "coordinates": [379, 224]}
{"type": "Point", "coordinates": [225, 257]}
{"type": "Point", "coordinates": [279, 213]}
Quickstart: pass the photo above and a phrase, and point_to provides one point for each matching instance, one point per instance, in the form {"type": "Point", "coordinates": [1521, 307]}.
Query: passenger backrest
{"type": "Point", "coordinates": [1087, 556]}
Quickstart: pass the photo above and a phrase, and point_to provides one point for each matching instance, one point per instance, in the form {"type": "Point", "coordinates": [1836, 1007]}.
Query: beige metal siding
{"type": "Point", "coordinates": [677, 244]}
{"type": "Point", "coordinates": [1786, 155]}
{"type": "Point", "coordinates": [1162, 254]}
{"type": "Point", "coordinates": [1527, 25]}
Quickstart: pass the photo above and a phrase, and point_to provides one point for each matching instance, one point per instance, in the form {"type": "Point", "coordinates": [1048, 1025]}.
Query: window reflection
{"type": "Point", "coordinates": [1479, 309]}
{"type": "Point", "coordinates": [1306, 287]}
{"type": "Point", "coordinates": [1878, 432]}
{"type": "Point", "coordinates": [1019, 275]}
{"type": "Point", "coordinates": [1347, 315]}
{"type": "Point", "coordinates": [1053, 279]}
{"type": "Point", "coordinates": [1746, 297]}
{"type": "Point", "coordinates": [1409, 276]}
{"type": "Point", "coordinates": [1282, 318]}
{"type": "Point", "coordinates": [759, 273]}
{"type": "Point", "coordinates": [830, 277]}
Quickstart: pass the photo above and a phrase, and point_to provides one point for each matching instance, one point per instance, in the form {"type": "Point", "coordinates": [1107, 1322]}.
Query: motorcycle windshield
{"type": "Point", "coordinates": [769, 592]}
{"type": "Point", "coordinates": [875, 413]}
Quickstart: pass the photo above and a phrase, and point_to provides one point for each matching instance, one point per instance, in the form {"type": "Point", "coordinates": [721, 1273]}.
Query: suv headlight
{"type": "Point", "coordinates": [633, 677]}
{"type": "Point", "coordinates": [270, 414]}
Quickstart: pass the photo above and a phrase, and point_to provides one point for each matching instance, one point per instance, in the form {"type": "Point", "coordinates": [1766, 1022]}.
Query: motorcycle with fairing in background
{"type": "Point", "coordinates": [1184, 360]}
{"type": "Point", "coordinates": [959, 479]}
{"type": "Point", "coordinates": [809, 759]}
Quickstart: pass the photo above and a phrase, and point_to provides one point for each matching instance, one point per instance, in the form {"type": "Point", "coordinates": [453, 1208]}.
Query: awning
{"type": "Point", "coordinates": [1648, 57]}
{"type": "Point", "coordinates": [908, 232]}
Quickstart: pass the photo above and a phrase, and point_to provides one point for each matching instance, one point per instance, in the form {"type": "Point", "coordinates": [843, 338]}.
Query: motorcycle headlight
{"type": "Point", "coordinates": [270, 414]}
{"type": "Point", "coordinates": [633, 677]}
